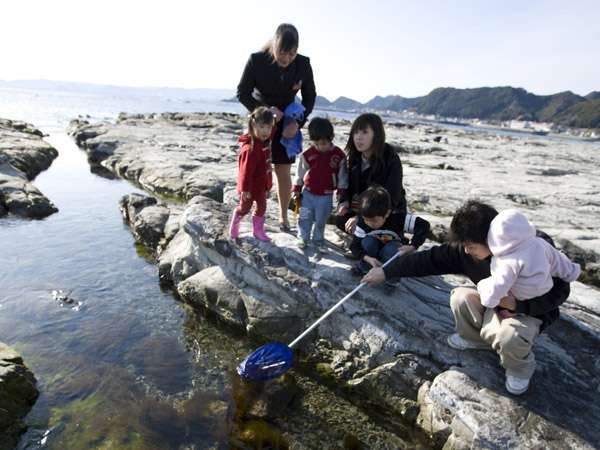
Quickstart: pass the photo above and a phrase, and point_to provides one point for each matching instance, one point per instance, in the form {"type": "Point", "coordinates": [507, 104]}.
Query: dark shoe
{"type": "Point", "coordinates": [284, 227]}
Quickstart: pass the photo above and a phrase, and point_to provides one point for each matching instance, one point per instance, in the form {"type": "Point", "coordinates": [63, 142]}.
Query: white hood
{"type": "Point", "coordinates": [508, 231]}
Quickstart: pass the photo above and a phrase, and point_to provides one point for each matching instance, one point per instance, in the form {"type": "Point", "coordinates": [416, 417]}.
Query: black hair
{"type": "Point", "coordinates": [320, 128]}
{"type": "Point", "coordinates": [471, 222]}
{"type": "Point", "coordinates": [375, 202]}
{"type": "Point", "coordinates": [362, 122]}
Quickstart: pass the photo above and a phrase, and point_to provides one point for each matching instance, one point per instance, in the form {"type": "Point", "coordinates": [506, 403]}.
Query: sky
{"type": "Point", "coordinates": [357, 49]}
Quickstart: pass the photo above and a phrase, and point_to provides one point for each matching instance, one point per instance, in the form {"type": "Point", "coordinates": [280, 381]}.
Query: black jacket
{"type": "Point", "coordinates": [393, 229]}
{"type": "Point", "coordinates": [264, 83]}
{"type": "Point", "coordinates": [452, 259]}
{"type": "Point", "coordinates": [389, 177]}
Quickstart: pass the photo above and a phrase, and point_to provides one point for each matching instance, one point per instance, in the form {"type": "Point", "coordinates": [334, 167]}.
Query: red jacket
{"type": "Point", "coordinates": [322, 172]}
{"type": "Point", "coordinates": [254, 166]}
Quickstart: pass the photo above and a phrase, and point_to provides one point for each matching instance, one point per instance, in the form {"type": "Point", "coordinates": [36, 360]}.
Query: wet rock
{"type": "Point", "coordinates": [63, 297]}
{"type": "Point", "coordinates": [211, 289]}
{"type": "Point", "coordinates": [147, 218]}
{"type": "Point", "coordinates": [131, 204]}
{"type": "Point", "coordinates": [267, 399]}
{"type": "Point", "coordinates": [23, 155]}
{"type": "Point", "coordinates": [17, 395]}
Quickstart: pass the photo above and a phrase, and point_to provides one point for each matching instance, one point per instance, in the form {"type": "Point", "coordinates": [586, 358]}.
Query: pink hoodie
{"type": "Point", "coordinates": [522, 263]}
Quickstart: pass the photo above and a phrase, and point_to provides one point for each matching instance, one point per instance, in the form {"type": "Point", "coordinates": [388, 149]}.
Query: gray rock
{"type": "Point", "coordinates": [17, 395]}
{"type": "Point", "coordinates": [23, 155]}
{"type": "Point", "coordinates": [210, 289]}
{"type": "Point", "coordinates": [464, 414]}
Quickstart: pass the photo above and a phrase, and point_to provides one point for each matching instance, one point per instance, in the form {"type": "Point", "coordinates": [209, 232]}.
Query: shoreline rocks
{"type": "Point", "coordinates": [17, 395]}
{"type": "Point", "coordinates": [381, 349]}
{"type": "Point", "coordinates": [23, 155]}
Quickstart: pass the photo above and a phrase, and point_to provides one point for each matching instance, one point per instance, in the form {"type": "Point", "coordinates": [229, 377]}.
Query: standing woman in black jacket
{"type": "Point", "coordinates": [371, 161]}
{"type": "Point", "coordinates": [273, 77]}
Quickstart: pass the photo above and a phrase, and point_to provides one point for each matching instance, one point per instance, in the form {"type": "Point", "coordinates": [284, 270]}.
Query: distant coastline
{"type": "Point", "coordinates": [500, 107]}
{"type": "Point", "coordinates": [504, 108]}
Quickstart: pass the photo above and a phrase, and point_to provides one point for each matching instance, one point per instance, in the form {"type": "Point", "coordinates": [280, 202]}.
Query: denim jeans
{"type": "Point", "coordinates": [375, 248]}
{"type": "Point", "coordinates": [315, 210]}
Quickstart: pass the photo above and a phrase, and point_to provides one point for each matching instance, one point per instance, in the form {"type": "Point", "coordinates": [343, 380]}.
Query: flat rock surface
{"type": "Point", "coordinates": [386, 349]}
{"type": "Point", "coordinates": [23, 155]}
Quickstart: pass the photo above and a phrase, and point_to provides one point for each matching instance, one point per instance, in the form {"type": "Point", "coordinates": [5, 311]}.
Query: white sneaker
{"type": "Point", "coordinates": [459, 343]}
{"type": "Point", "coordinates": [516, 386]}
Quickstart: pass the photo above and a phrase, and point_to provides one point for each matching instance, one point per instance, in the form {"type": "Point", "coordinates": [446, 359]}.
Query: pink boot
{"type": "Point", "coordinates": [234, 225]}
{"type": "Point", "coordinates": [258, 227]}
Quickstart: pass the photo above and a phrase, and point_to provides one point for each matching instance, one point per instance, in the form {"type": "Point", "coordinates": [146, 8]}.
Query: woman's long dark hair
{"type": "Point", "coordinates": [285, 39]}
{"type": "Point", "coordinates": [362, 122]}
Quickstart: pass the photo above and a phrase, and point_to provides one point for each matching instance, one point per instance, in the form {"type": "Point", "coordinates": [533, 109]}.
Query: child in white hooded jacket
{"type": "Point", "coordinates": [522, 264]}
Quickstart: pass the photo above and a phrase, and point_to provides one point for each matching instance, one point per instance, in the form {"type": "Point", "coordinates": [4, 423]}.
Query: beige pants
{"type": "Point", "coordinates": [511, 338]}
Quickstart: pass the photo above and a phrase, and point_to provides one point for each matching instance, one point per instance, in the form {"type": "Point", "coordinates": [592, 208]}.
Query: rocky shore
{"type": "Point", "coordinates": [386, 352]}
{"type": "Point", "coordinates": [23, 155]}
{"type": "Point", "coordinates": [17, 394]}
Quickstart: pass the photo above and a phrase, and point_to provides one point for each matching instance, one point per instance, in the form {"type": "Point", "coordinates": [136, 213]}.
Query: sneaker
{"type": "Point", "coordinates": [284, 227]}
{"type": "Point", "coordinates": [457, 342]}
{"type": "Point", "coordinates": [515, 385]}
{"type": "Point", "coordinates": [301, 243]}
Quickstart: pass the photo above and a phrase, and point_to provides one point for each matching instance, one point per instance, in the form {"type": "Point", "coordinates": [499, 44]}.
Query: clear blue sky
{"type": "Point", "coordinates": [358, 49]}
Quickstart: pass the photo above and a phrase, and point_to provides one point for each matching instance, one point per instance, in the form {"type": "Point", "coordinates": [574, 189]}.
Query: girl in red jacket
{"type": "Point", "coordinates": [254, 178]}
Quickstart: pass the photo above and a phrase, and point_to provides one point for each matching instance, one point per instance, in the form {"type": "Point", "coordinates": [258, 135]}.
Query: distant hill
{"type": "Point", "coordinates": [346, 103]}
{"type": "Point", "coordinates": [593, 95]}
{"type": "Point", "coordinates": [392, 103]}
{"type": "Point", "coordinates": [322, 102]}
{"type": "Point", "coordinates": [582, 115]}
{"type": "Point", "coordinates": [495, 103]}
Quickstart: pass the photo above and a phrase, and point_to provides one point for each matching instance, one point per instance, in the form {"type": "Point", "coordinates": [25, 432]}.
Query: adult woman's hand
{"type": "Point", "coordinates": [375, 276]}
{"type": "Point", "coordinates": [278, 113]}
{"type": "Point", "coordinates": [351, 224]}
{"type": "Point", "coordinates": [290, 130]}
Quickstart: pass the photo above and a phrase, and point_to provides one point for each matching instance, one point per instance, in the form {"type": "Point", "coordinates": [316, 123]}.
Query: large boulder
{"type": "Point", "coordinates": [23, 155]}
{"type": "Point", "coordinates": [17, 394]}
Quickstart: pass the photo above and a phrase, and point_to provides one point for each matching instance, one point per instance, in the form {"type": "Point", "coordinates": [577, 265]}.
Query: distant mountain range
{"type": "Point", "coordinates": [497, 103]}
